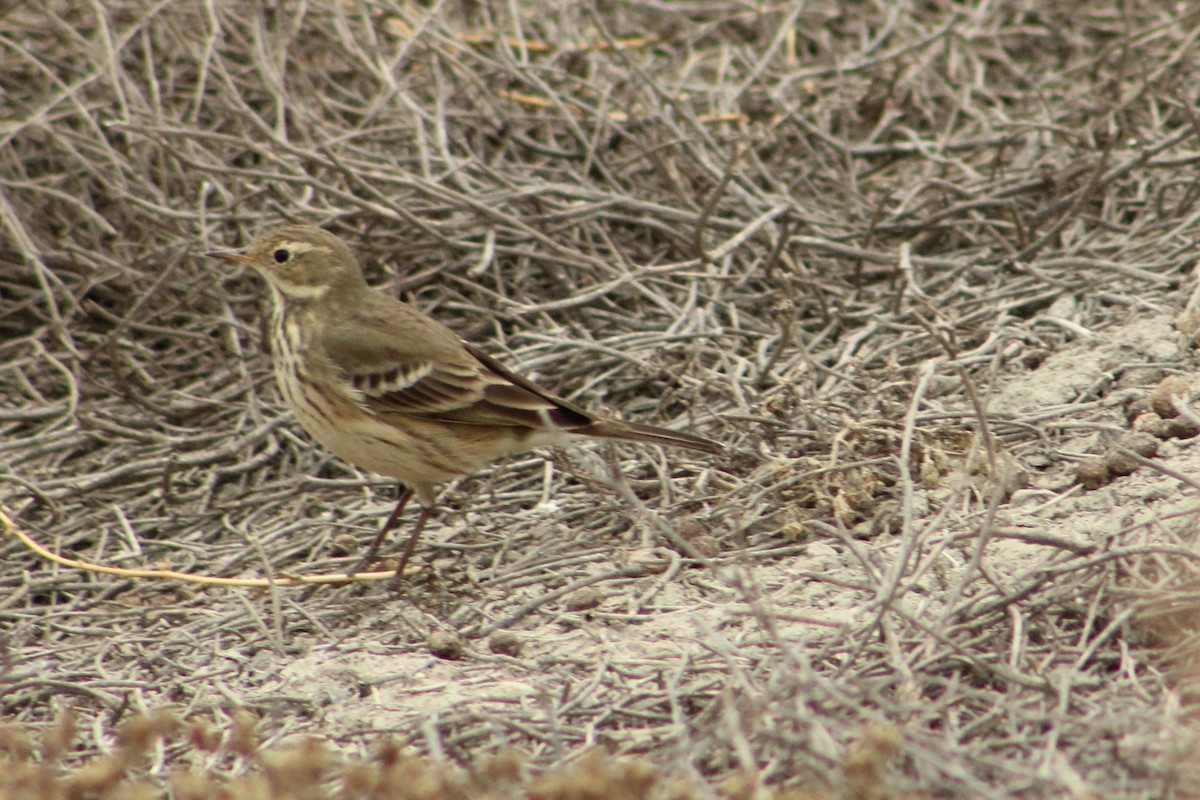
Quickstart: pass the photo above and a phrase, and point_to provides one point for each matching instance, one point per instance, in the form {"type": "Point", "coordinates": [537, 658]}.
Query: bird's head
{"type": "Point", "coordinates": [301, 262]}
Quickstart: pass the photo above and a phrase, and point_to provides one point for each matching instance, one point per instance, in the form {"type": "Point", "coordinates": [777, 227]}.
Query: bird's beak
{"type": "Point", "coordinates": [233, 257]}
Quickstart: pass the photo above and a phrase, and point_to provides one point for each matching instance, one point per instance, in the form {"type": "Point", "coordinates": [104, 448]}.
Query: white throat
{"type": "Point", "coordinates": [299, 292]}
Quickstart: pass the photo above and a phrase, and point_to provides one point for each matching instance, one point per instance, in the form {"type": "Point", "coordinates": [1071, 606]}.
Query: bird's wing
{"type": "Point", "coordinates": [402, 362]}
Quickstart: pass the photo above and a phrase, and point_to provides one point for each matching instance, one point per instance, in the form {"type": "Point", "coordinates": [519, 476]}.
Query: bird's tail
{"type": "Point", "coordinates": [636, 432]}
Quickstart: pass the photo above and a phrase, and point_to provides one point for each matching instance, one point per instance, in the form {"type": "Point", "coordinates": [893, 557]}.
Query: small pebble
{"type": "Point", "coordinates": [584, 599]}
{"type": "Point", "coordinates": [647, 560]}
{"type": "Point", "coordinates": [1120, 464]}
{"type": "Point", "coordinates": [1092, 473]}
{"type": "Point", "coordinates": [1137, 407]}
{"type": "Point", "coordinates": [1142, 443]}
{"type": "Point", "coordinates": [1151, 423]}
{"type": "Point", "coordinates": [505, 643]}
{"type": "Point", "coordinates": [1181, 428]}
{"type": "Point", "coordinates": [1161, 397]}
{"type": "Point", "coordinates": [445, 644]}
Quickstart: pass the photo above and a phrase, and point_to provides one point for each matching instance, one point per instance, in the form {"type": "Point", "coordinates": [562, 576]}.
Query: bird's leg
{"type": "Point", "coordinates": [409, 547]}
{"type": "Point", "coordinates": [392, 521]}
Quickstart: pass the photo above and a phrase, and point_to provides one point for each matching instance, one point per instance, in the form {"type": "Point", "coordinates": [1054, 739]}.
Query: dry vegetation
{"type": "Point", "coordinates": [917, 264]}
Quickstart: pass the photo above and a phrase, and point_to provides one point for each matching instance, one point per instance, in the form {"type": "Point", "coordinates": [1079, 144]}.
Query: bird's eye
{"type": "Point", "coordinates": [281, 255]}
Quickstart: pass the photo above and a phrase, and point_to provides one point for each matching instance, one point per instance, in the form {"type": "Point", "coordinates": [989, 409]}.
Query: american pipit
{"type": "Point", "coordinates": [393, 391]}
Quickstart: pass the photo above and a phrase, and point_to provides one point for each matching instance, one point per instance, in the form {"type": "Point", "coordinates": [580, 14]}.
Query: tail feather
{"type": "Point", "coordinates": [637, 432]}
{"type": "Point", "coordinates": [557, 414]}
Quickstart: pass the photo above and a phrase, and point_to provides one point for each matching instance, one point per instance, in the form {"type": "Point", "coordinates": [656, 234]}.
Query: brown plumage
{"type": "Point", "coordinates": [392, 390]}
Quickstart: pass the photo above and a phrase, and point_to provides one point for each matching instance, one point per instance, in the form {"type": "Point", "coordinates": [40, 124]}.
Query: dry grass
{"type": "Point", "coordinates": [823, 233]}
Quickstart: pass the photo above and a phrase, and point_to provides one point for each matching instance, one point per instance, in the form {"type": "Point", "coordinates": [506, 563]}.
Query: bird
{"type": "Point", "coordinates": [386, 387]}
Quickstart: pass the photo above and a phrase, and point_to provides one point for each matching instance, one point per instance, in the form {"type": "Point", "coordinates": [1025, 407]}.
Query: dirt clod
{"type": "Point", "coordinates": [1162, 398]}
{"type": "Point", "coordinates": [445, 644]}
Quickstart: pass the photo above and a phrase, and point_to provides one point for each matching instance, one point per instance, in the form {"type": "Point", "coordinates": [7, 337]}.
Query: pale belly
{"type": "Point", "coordinates": [415, 451]}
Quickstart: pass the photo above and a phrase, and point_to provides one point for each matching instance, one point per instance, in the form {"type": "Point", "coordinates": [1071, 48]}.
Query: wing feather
{"type": "Point", "coordinates": [402, 362]}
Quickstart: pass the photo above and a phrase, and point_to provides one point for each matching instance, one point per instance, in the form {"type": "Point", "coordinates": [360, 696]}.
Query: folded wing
{"type": "Point", "coordinates": [414, 365]}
